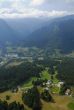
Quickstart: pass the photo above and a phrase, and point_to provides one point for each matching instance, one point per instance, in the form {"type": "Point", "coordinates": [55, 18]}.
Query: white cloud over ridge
{"type": "Point", "coordinates": [6, 13]}
{"type": "Point", "coordinates": [29, 8]}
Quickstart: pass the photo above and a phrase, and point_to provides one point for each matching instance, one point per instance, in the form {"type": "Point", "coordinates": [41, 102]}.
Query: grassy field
{"type": "Point", "coordinates": [61, 102]}
{"type": "Point", "coordinates": [14, 63]}
{"type": "Point", "coordinates": [13, 97]}
{"type": "Point", "coordinates": [71, 105]}
{"type": "Point", "coordinates": [44, 75]}
{"type": "Point", "coordinates": [29, 82]}
{"type": "Point", "coordinates": [55, 90]}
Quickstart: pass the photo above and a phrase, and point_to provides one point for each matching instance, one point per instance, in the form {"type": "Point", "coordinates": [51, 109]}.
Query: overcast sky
{"type": "Point", "coordinates": [35, 8]}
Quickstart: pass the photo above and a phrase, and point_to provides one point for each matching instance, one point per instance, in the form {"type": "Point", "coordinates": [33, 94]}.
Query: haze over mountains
{"type": "Point", "coordinates": [49, 34]}
{"type": "Point", "coordinates": [57, 34]}
{"type": "Point", "coordinates": [14, 30]}
{"type": "Point", "coordinates": [6, 33]}
{"type": "Point", "coordinates": [25, 26]}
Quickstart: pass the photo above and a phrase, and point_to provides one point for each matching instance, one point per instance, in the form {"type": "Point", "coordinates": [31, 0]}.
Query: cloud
{"type": "Point", "coordinates": [69, 1]}
{"type": "Point", "coordinates": [33, 8]}
{"type": "Point", "coordinates": [31, 12]}
{"type": "Point", "coordinates": [37, 2]}
{"type": "Point", "coordinates": [12, 3]}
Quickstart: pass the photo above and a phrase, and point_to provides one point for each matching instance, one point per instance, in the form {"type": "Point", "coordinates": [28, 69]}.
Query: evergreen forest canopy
{"type": "Point", "coordinates": [11, 77]}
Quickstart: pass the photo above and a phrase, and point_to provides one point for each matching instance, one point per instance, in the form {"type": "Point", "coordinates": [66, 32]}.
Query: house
{"type": "Point", "coordinates": [14, 90]}
{"type": "Point", "coordinates": [48, 83]}
{"type": "Point", "coordinates": [68, 92]}
{"type": "Point", "coordinates": [60, 84]}
{"type": "Point", "coordinates": [47, 89]}
{"type": "Point", "coordinates": [12, 55]}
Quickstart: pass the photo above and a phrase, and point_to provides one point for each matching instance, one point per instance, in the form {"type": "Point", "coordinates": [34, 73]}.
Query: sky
{"type": "Point", "coordinates": [35, 8]}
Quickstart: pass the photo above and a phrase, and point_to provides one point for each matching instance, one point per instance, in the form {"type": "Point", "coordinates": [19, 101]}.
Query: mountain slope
{"type": "Point", "coordinates": [7, 34]}
{"type": "Point", "coordinates": [16, 30]}
{"type": "Point", "coordinates": [25, 26]}
{"type": "Point", "coordinates": [58, 34]}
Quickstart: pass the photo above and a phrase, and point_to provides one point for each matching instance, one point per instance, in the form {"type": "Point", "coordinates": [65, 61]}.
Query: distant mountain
{"type": "Point", "coordinates": [48, 34]}
{"type": "Point", "coordinates": [15, 30]}
{"type": "Point", "coordinates": [7, 34]}
{"type": "Point", "coordinates": [25, 26]}
{"type": "Point", "coordinates": [57, 34]}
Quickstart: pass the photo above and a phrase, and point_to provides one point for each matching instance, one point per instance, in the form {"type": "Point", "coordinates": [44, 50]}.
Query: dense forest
{"type": "Point", "coordinates": [66, 71]}
{"type": "Point", "coordinates": [11, 77]}
{"type": "Point", "coordinates": [12, 106]}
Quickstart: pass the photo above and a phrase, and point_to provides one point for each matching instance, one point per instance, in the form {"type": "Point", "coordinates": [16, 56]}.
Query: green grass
{"type": "Point", "coordinates": [71, 106]}
{"type": "Point", "coordinates": [15, 63]}
{"type": "Point", "coordinates": [29, 82]}
{"type": "Point", "coordinates": [45, 75]}
{"type": "Point", "coordinates": [55, 78]}
{"type": "Point", "coordinates": [61, 102]}
{"type": "Point", "coordinates": [55, 89]}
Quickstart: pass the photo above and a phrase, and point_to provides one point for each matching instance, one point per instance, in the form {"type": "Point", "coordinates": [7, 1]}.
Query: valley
{"type": "Point", "coordinates": [41, 73]}
{"type": "Point", "coordinates": [37, 64]}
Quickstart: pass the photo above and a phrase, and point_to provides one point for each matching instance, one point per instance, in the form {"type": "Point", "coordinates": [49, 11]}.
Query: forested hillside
{"type": "Point", "coordinates": [11, 77]}
{"type": "Point", "coordinates": [49, 34]}
{"type": "Point", "coordinates": [15, 75]}
{"type": "Point", "coordinates": [7, 34]}
{"type": "Point", "coordinates": [66, 71]}
{"type": "Point", "coordinates": [58, 34]}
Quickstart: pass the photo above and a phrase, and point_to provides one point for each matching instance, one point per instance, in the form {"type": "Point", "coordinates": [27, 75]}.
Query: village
{"type": "Point", "coordinates": [48, 85]}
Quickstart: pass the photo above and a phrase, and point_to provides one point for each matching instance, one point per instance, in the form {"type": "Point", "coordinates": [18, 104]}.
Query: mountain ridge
{"type": "Point", "coordinates": [59, 34]}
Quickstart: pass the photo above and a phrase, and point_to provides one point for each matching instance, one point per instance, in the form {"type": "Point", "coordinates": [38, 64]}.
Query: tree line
{"type": "Point", "coordinates": [12, 106]}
